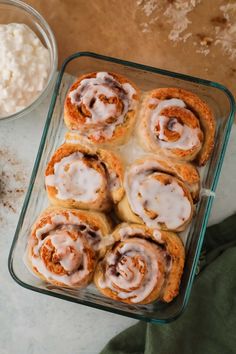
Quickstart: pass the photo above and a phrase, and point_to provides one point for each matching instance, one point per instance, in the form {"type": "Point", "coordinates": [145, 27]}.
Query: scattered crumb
{"type": "Point", "coordinates": [226, 36]}
{"type": "Point", "coordinates": [205, 40]}
{"type": "Point", "coordinates": [145, 28]}
{"type": "Point", "coordinates": [154, 20]}
{"type": "Point", "coordinates": [175, 12]}
{"type": "Point", "coordinates": [219, 21]}
{"type": "Point", "coordinates": [227, 10]}
{"type": "Point", "coordinates": [149, 7]}
{"type": "Point", "coordinates": [203, 50]}
{"type": "Point", "coordinates": [12, 182]}
{"type": "Point", "coordinates": [186, 36]}
{"type": "Point", "coordinates": [175, 15]}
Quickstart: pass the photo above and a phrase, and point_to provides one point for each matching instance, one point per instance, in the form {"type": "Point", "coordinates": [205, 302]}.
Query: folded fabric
{"type": "Point", "coordinates": [208, 325]}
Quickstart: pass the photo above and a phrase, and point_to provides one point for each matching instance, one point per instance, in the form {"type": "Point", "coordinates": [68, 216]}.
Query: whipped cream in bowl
{"type": "Point", "coordinates": [28, 60]}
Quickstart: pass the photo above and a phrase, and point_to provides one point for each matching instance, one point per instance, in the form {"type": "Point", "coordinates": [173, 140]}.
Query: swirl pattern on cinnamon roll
{"type": "Point", "coordinates": [178, 124]}
{"type": "Point", "coordinates": [65, 245]}
{"type": "Point", "coordinates": [158, 193]}
{"type": "Point", "coordinates": [78, 176]}
{"type": "Point", "coordinates": [102, 107]}
{"type": "Point", "coordinates": [142, 266]}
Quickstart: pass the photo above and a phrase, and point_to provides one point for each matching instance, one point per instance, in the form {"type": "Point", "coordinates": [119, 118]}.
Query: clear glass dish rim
{"type": "Point", "coordinates": [32, 12]}
{"type": "Point", "coordinates": [209, 199]}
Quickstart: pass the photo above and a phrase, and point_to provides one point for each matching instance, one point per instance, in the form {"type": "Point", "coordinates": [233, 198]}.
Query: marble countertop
{"type": "Point", "coordinates": [37, 324]}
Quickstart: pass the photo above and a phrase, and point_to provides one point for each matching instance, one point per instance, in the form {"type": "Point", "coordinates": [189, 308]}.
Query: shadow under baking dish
{"type": "Point", "coordinates": [146, 78]}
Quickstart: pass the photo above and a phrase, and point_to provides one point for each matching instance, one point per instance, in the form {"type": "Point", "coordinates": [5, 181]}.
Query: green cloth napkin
{"type": "Point", "coordinates": [208, 325]}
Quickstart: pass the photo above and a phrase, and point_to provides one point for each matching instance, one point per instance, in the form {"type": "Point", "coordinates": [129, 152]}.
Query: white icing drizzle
{"type": "Point", "coordinates": [91, 93]}
{"type": "Point", "coordinates": [167, 202]}
{"type": "Point", "coordinates": [157, 236]}
{"type": "Point", "coordinates": [61, 219]}
{"type": "Point", "coordinates": [73, 179]}
{"type": "Point", "coordinates": [68, 250]}
{"type": "Point", "coordinates": [43, 230]}
{"type": "Point", "coordinates": [106, 242]}
{"type": "Point", "coordinates": [71, 141]}
{"type": "Point", "coordinates": [189, 137]}
{"type": "Point", "coordinates": [127, 281]}
{"type": "Point", "coordinates": [69, 260]}
{"type": "Point", "coordinates": [127, 231]}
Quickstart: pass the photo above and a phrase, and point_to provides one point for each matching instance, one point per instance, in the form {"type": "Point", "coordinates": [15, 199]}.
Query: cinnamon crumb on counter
{"type": "Point", "coordinates": [12, 182]}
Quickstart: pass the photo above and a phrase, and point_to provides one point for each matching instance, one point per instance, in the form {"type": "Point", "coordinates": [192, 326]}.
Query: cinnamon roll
{"type": "Point", "coordinates": [102, 107]}
{"type": "Point", "coordinates": [65, 245]}
{"type": "Point", "coordinates": [178, 124]}
{"type": "Point", "coordinates": [158, 193]}
{"type": "Point", "coordinates": [79, 176]}
{"type": "Point", "coordinates": [142, 266]}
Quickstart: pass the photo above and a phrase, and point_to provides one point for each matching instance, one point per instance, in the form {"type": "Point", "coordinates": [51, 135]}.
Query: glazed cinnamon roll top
{"type": "Point", "coordinates": [84, 177]}
{"type": "Point", "coordinates": [140, 265]}
{"type": "Point", "coordinates": [178, 124]}
{"type": "Point", "coordinates": [158, 192]}
{"type": "Point", "coordinates": [98, 103]}
{"type": "Point", "coordinates": [65, 245]}
{"type": "Point", "coordinates": [174, 126]}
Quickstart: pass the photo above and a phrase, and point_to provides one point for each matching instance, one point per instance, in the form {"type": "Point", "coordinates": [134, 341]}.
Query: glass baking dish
{"type": "Point", "coordinates": [147, 78]}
